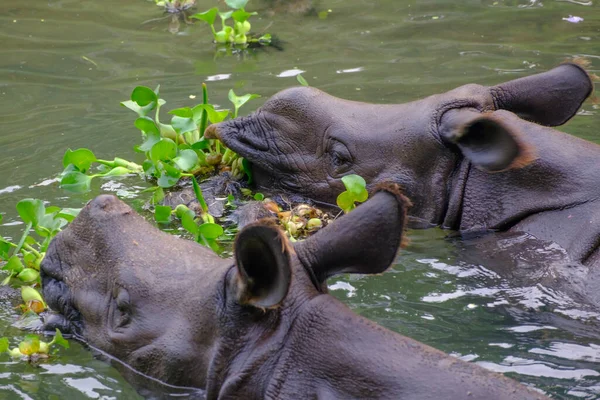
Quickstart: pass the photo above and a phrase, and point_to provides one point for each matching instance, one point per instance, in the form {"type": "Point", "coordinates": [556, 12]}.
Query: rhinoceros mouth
{"type": "Point", "coordinates": [58, 296]}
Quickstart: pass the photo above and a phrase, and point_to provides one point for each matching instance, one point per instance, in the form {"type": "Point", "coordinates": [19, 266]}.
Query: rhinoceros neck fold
{"type": "Point", "coordinates": [452, 214]}
{"type": "Point", "coordinates": [334, 353]}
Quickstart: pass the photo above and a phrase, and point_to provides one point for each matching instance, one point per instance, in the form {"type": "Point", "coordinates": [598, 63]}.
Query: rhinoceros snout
{"type": "Point", "coordinates": [109, 204]}
{"type": "Point", "coordinates": [57, 293]}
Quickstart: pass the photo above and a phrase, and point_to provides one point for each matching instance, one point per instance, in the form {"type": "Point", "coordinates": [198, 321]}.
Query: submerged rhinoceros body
{"type": "Point", "coordinates": [468, 159]}
{"type": "Point", "coordinates": [260, 326]}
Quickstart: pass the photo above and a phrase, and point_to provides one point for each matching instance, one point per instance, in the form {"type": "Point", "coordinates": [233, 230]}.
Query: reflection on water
{"type": "Point", "coordinates": [66, 64]}
{"type": "Point", "coordinates": [501, 320]}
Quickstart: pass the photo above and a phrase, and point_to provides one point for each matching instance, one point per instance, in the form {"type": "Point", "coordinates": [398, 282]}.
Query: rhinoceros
{"type": "Point", "coordinates": [259, 325]}
{"type": "Point", "coordinates": [474, 158]}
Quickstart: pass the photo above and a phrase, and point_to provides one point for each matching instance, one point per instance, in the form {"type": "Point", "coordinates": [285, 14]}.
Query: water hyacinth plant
{"type": "Point", "coordinates": [32, 348]}
{"type": "Point", "coordinates": [204, 229]}
{"type": "Point", "coordinates": [172, 150]}
{"type": "Point", "coordinates": [239, 32]}
{"type": "Point", "coordinates": [356, 192]}
{"type": "Point", "coordinates": [175, 6]}
{"type": "Point", "coordinates": [22, 259]}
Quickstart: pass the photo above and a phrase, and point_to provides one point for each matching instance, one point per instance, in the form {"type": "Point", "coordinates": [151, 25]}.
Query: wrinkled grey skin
{"type": "Point", "coordinates": [468, 159]}
{"type": "Point", "coordinates": [259, 326]}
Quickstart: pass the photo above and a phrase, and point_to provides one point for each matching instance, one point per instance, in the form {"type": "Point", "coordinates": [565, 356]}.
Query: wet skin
{"type": "Point", "coordinates": [258, 326]}
{"type": "Point", "coordinates": [474, 158]}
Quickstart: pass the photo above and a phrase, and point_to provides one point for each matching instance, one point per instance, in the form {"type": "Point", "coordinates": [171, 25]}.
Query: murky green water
{"type": "Point", "coordinates": [66, 64]}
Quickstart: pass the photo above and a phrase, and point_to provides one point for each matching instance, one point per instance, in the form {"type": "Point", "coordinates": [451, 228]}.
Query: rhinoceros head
{"type": "Point", "coordinates": [175, 311]}
{"type": "Point", "coordinates": [304, 140]}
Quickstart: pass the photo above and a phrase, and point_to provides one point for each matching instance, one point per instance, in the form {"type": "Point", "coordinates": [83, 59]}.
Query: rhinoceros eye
{"type": "Point", "coordinates": [122, 308]}
{"type": "Point", "coordinates": [341, 159]}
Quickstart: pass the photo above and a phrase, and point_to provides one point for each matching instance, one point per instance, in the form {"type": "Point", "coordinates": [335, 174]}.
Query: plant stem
{"type": "Point", "coordinates": [120, 162]}
{"type": "Point", "coordinates": [204, 117]}
{"type": "Point", "coordinates": [23, 237]}
{"type": "Point", "coordinates": [31, 249]}
{"type": "Point", "coordinates": [107, 163]}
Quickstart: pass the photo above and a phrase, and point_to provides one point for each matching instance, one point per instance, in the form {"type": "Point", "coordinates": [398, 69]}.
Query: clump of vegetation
{"type": "Point", "coordinates": [301, 221]}
{"type": "Point", "coordinates": [31, 348]}
{"type": "Point", "coordinates": [175, 6]}
{"type": "Point", "coordinates": [172, 150]}
{"type": "Point", "coordinates": [356, 192]}
{"type": "Point", "coordinates": [238, 33]}
{"type": "Point", "coordinates": [24, 257]}
{"type": "Point", "coordinates": [203, 228]}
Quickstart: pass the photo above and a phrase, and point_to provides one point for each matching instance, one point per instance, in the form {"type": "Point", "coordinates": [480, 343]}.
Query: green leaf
{"type": "Point", "coordinates": [183, 125]}
{"type": "Point", "coordinates": [214, 116]}
{"type": "Point", "coordinates": [28, 275]}
{"type": "Point", "coordinates": [141, 111]}
{"type": "Point", "coordinates": [210, 231]}
{"type": "Point", "coordinates": [356, 185]}
{"type": "Point", "coordinates": [188, 223]}
{"type": "Point", "coordinates": [239, 101]}
{"type": "Point", "coordinates": [49, 225]}
{"type": "Point", "coordinates": [76, 182]}
{"type": "Point", "coordinates": [59, 339]}
{"type": "Point", "coordinates": [209, 16]}
{"type": "Point", "coordinates": [201, 144]}
{"type": "Point", "coordinates": [151, 140]}
{"type": "Point", "coordinates": [3, 344]}
{"type": "Point", "coordinates": [4, 248]}
{"type": "Point", "coordinates": [169, 175]}
{"type": "Point", "coordinates": [147, 125]}
{"type": "Point", "coordinates": [82, 159]}
{"type": "Point", "coordinates": [187, 160]}
{"type": "Point", "coordinates": [225, 16]}
{"type": "Point", "coordinates": [259, 197]}
{"type": "Point", "coordinates": [199, 195]}
{"type": "Point", "coordinates": [265, 39]}
{"type": "Point", "coordinates": [184, 112]}
{"type": "Point", "coordinates": [29, 259]}
{"type": "Point", "coordinates": [217, 116]}
{"type": "Point", "coordinates": [167, 130]}
{"type": "Point", "coordinates": [247, 168]}
{"type": "Point", "coordinates": [31, 210]}
{"type": "Point", "coordinates": [144, 96]}
{"type": "Point", "coordinates": [14, 265]}
{"type": "Point", "coordinates": [1, 218]}
{"type": "Point", "coordinates": [69, 213]}
{"type": "Point", "coordinates": [163, 150]}
{"type": "Point", "coordinates": [345, 201]}
{"type": "Point", "coordinates": [301, 80]}
{"type": "Point", "coordinates": [162, 214]}
{"type": "Point", "coordinates": [30, 345]}
{"type": "Point", "coordinates": [237, 4]}
{"type": "Point", "coordinates": [29, 294]}
{"type": "Point", "coordinates": [241, 15]}
{"type": "Point", "coordinates": [158, 195]}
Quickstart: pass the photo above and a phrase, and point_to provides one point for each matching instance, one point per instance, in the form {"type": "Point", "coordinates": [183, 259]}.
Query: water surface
{"type": "Point", "coordinates": [66, 64]}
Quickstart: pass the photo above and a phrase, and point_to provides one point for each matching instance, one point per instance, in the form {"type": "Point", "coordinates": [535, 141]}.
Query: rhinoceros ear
{"type": "Point", "coordinates": [487, 140]}
{"type": "Point", "coordinates": [550, 98]}
{"type": "Point", "coordinates": [365, 241]}
{"type": "Point", "coordinates": [262, 256]}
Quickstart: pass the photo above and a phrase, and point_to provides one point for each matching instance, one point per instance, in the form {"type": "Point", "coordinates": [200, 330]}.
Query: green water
{"type": "Point", "coordinates": [65, 65]}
